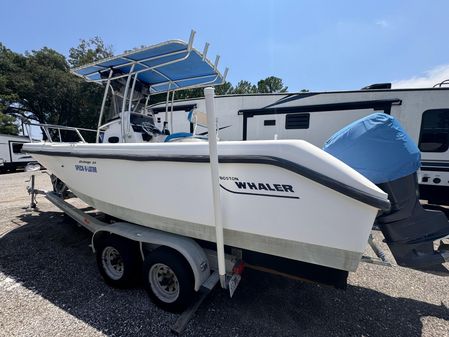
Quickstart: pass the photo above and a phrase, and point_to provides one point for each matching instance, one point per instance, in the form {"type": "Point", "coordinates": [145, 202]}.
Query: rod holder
{"type": "Point", "coordinates": [206, 48]}
{"type": "Point", "coordinates": [191, 38]}
{"type": "Point", "coordinates": [217, 59]}
{"type": "Point", "coordinates": [225, 74]}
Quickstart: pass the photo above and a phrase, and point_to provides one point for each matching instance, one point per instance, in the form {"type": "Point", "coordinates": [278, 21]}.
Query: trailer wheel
{"type": "Point", "coordinates": [168, 279]}
{"type": "Point", "coordinates": [118, 260]}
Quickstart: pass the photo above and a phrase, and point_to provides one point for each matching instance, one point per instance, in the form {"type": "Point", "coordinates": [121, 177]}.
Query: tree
{"type": "Point", "coordinates": [10, 76]}
{"type": "Point", "coordinates": [244, 87]}
{"type": "Point", "coordinates": [271, 84]}
{"type": "Point", "coordinates": [7, 125]}
{"type": "Point", "coordinates": [224, 89]}
{"type": "Point", "coordinates": [39, 84]}
{"type": "Point", "coordinates": [135, 48]}
{"type": "Point", "coordinates": [89, 51]}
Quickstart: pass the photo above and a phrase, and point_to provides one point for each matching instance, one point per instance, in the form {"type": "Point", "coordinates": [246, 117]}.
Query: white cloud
{"type": "Point", "coordinates": [383, 23]}
{"type": "Point", "coordinates": [427, 80]}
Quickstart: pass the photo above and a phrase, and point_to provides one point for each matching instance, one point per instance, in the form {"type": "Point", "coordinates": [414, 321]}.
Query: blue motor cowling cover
{"type": "Point", "coordinates": [377, 147]}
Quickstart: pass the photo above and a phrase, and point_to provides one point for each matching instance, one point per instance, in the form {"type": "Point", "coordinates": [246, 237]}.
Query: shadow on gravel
{"type": "Point", "coordinates": [438, 270]}
{"type": "Point", "coordinates": [2, 172]}
{"type": "Point", "coordinates": [52, 258]}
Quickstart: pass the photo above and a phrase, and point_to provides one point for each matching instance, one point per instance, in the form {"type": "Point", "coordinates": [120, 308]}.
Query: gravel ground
{"type": "Point", "coordinates": [50, 286]}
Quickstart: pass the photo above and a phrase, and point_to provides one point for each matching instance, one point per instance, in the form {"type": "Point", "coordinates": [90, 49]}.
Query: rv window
{"type": "Point", "coordinates": [17, 147]}
{"type": "Point", "coordinates": [434, 135]}
{"type": "Point", "coordinates": [297, 121]}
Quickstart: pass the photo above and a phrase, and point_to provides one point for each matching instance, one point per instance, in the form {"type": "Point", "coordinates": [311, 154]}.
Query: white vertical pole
{"type": "Point", "coordinates": [166, 108]}
{"type": "Point", "coordinates": [209, 94]}
{"type": "Point", "coordinates": [103, 103]}
{"type": "Point", "coordinates": [125, 119]}
{"type": "Point", "coordinates": [171, 112]}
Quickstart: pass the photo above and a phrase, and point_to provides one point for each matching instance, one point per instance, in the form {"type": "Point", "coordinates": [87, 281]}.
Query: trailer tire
{"type": "Point", "coordinates": [118, 260]}
{"type": "Point", "coordinates": [168, 279]}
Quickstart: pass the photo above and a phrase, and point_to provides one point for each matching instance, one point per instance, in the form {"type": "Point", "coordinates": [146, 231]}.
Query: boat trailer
{"type": "Point", "coordinates": [203, 261]}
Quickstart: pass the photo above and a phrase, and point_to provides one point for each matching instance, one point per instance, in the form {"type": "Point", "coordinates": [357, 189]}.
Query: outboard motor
{"type": "Point", "coordinates": [378, 148]}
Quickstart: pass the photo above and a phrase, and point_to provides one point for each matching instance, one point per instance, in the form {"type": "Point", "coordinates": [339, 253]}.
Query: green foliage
{"type": "Point", "coordinates": [224, 89]}
{"type": "Point", "coordinates": [135, 48]}
{"type": "Point", "coordinates": [7, 125]}
{"type": "Point", "coordinates": [271, 84]}
{"type": "Point", "coordinates": [10, 64]}
{"type": "Point", "coordinates": [89, 51]}
{"type": "Point", "coordinates": [244, 87]}
{"type": "Point", "coordinates": [39, 83]}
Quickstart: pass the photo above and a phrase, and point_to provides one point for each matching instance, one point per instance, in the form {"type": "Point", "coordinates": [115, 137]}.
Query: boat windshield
{"type": "Point", "coordinates": [143, 123]}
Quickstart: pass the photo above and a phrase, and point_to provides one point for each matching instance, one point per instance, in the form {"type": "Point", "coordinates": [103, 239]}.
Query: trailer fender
{"type": "Point", "coordinates": [187, 247]}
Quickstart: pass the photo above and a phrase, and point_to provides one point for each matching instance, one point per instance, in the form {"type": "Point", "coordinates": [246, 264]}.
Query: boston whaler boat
{"type": "Point", "coordinates": [282, 205]}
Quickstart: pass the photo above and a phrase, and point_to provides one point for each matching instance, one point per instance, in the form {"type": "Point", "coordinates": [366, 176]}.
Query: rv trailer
{"type": "Point", "coordinates": [315, 116]}
{"type": "Point", "coordinates": [11, 156]}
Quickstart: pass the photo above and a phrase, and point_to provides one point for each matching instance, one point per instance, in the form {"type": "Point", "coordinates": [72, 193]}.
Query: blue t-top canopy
{"type": "Point", "coordinates": [377, 147]}
{"type": "Point", "coordinates": [167, 66]}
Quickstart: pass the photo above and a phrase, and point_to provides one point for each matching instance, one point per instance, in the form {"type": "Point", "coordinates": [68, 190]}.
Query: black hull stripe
{"type": "Point", "coordinates": [319, 178]}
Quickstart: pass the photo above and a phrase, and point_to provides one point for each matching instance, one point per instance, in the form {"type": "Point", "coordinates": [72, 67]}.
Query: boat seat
{"type": "Point", "coordinates": [177, 135]}
{"type": "Point", "coordinates": [196, 118]}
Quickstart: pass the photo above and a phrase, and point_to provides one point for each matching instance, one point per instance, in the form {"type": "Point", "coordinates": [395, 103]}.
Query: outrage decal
{"type": "Point", "coordinates": [235, 185]}
{"type": "Point", "coordinates": [86, 166]}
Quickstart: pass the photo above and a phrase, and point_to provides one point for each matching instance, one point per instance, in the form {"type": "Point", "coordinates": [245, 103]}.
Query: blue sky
{"type": "Point", "coordinates": [318, 45]}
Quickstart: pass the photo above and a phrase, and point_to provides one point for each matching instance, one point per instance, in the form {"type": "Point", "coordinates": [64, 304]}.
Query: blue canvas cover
{"type": "Point", "coordinates": [163, 67]}
{"type": "Point", "coordinates": [377, 147]}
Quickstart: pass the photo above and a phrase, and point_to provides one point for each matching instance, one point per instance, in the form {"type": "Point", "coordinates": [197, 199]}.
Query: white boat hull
{"type": "Point", "coordinates": [267, 205]}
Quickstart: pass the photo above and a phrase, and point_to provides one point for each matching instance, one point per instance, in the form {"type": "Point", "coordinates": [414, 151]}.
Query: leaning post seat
{"type": "Point", "coordinates": [378, 147]}
{"type": "Point", "coordinates": [177, 135]}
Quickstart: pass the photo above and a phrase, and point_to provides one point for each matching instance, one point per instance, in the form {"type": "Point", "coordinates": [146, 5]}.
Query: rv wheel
{"type": "Point", "coordinates": [118, 260]}
{"type": "Point", "coordinates": [168, 279]}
